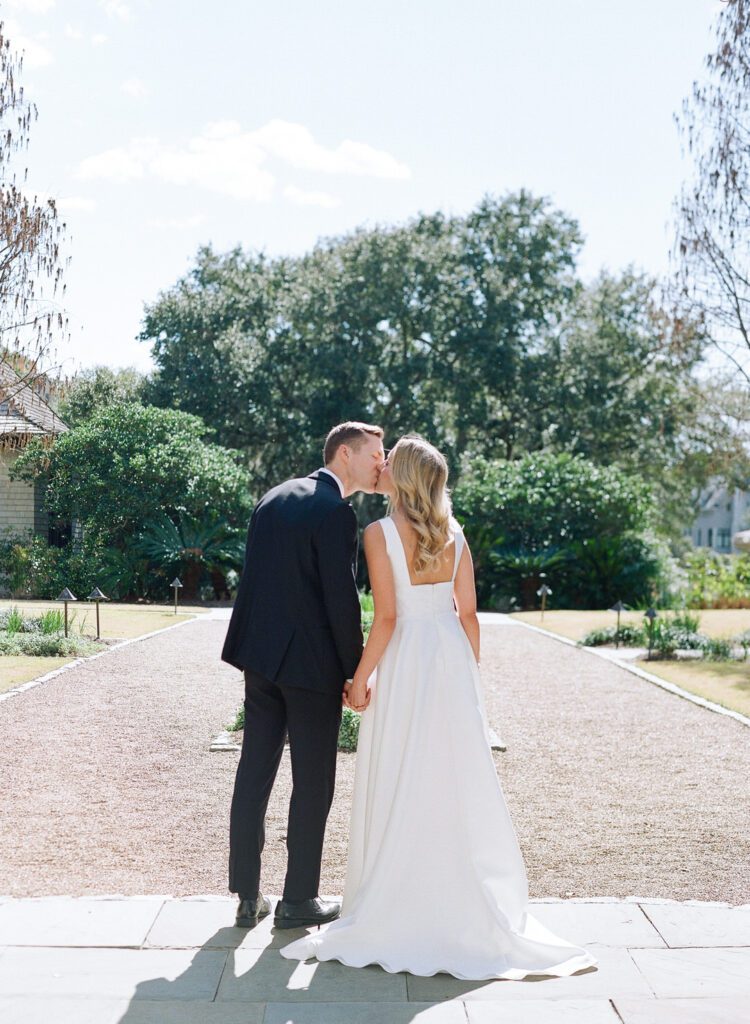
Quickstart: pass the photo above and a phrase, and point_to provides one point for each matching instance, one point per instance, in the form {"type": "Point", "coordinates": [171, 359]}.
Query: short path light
{"type": "Point", "coordinates": [651, 614]}
{"type": "Point", "coordinates": [97, 595]}
{"type": "Point", "coordinates": [177, 584]}
{"type": "Point", "coordinates": [619, 607]}
{"type": "Point", "coordinates": [542, 592]}
{"type": "Point", "coordinates": [66, 596]}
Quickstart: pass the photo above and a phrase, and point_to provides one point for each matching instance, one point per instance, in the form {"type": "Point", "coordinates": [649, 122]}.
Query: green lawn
{"type": "Point", "coordinates": [723, 682]}
{"type": "Point", "coordinates": [17, 669]}
{"type": "Point", "coordinates": [118, 622]}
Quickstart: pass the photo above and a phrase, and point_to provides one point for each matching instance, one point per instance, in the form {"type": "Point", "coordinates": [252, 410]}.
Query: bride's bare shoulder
{"type": "Point", "coordinates": [375, 532]}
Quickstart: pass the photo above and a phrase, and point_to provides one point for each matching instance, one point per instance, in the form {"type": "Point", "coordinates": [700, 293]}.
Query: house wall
{"type": "Point", "coordinates": [17, 504]}
{"type": "Point", "coordinates": [723, 514]}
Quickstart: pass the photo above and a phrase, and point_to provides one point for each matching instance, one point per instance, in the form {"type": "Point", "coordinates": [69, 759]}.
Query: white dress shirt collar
{"type": "Point", "coordinates": [338, 481]}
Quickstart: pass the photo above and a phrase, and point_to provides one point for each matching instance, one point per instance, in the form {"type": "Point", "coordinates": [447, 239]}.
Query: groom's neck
{"type": "Point", "coordinates": [342, 473]}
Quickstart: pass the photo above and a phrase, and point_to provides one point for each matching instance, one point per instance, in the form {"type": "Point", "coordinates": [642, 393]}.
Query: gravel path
{"type": "Point", "coordinates": [616, 788]}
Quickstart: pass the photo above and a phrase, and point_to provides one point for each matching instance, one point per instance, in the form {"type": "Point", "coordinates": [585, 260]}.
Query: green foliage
{"type": "Point", "coordinates": [239, 720]}
{"type": "Point", "coordinates": [46, 645]}
{"type": "Point", "coordinates": [667, 634]}
{"type": "Point", "coordinates": [149, 493]}
{"type": "Point", "coordinates": [349, 730]}
{"type": "Point", "coordinates": [627, 636]}
{"type": "Point", "coordinates": [31, 568]}
{"type": "Point", "coordinates": [715, 580]}
{"type": "Point", "coordinates": [473, 330]}
{"type": "Point", "coordinates": [367, 604]}
{"type": "Point", "coordinates": [583, 525]}
{"type": "Point", "coordinates": [127, 463]}
{"type": "Point", "coordinates": [423, 326]}
{"type": "Point", "coordinates": [190, 546]}
{"type": "Point", "coordinates": [97, 388]}
{"type": "Point", "coordinates": [12, 621]}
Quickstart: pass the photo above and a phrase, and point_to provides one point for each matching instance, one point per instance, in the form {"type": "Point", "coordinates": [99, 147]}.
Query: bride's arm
{"type": "Point", "coordinates": [465, 595]}
{"type": "Point", "coordinates": [384, 622]}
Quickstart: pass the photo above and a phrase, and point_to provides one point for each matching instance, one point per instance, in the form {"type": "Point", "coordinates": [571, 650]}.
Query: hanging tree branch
{"type": "Point", "coordinates": [31, 236]}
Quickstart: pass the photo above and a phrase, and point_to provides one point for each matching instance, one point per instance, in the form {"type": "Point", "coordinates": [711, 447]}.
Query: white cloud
{"type": "Point", "coordinates": [39, 197]}
{"type": "Point", "coordinates": [230, 161]}
{"type": "Point", "coordinates": [98, 38]}
{"type": "Point", "coordinates": [35, 53]}
{"type": "Point", "coordinates": [82, 203]}
{"type": "Point", "coordinates": [134, 87]}
{"type": "Point", "coordinates": [73, 33]}
{"type": "Point", "coordinates": [302, 198]}
{"type": "Point", "coordinates": [295, 144]}
{"type": "Point", "coordinates": [116, 9]}
{"type": "Point", "coordinates": [178, 222]}
{"type": "Point", "coordinates": [31, 6]}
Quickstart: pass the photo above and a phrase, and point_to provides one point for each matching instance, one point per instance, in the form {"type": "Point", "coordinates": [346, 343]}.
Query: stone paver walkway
{"type": "Point", "coordinates": [153, 960]}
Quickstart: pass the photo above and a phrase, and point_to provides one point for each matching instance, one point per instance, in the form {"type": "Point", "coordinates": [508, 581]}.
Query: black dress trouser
{"type": "Point", "coordinates": [312, 721]}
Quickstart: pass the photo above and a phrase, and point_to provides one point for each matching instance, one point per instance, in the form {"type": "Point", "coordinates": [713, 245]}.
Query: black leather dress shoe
{"type": "Point", "coordinates": [250, 911]}
{"type": "Point", "coordinates": [305, 913]}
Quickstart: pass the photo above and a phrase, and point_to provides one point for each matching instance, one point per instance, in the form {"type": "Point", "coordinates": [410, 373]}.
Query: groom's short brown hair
{"type": "Point", "coordinates": [352, 433]}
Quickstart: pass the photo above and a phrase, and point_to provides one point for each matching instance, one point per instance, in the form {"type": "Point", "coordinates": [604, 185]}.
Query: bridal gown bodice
{"type": "Point", "coordinates": [435, 878]}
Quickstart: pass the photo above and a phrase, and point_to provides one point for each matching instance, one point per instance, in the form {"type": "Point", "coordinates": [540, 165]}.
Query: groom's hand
{"type": "Point", "coordinates": [345, 694]}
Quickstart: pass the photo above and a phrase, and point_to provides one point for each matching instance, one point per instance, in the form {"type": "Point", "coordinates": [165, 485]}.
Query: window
{"type": "Point", "coordinates": [710, 536]}
{"type": "Point", "coordinates": [723, 540]}
{"type": "Point", "coordinates": [699, 539]}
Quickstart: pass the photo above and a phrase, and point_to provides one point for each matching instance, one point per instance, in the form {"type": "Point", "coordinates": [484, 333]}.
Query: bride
{"type": "Point", "coordinates": [435, 878]}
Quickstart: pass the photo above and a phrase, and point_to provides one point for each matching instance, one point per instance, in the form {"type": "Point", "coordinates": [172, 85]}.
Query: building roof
{"type": "Point", "coordinates": [22, 409]}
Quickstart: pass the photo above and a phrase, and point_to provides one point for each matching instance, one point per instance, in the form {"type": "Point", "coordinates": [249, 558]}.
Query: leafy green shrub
{"type": "Point", "coordinates": [367, 604]}
{"type": "Point", "coordinates": [349, 731]}
{"type": "Point", "coordinates": [128, 463]}
{"type": "Point", "coordinates": [12, 621]}
{"type": "Point", "coordinates": [46, 645]}
{"type": "Point", "coordinates": [686, 621]}
{"type": "Point", "coordinates": [239, 720]}
{"type": "Point", "coordinates": [715, 580]}
{"type": "Point", "coordinates": [717, 649]}
{"type": "Point", "coordinates": [585, 525]}
{"type": "Point", "coordinates": [627, 635]}
{"type": "Point", "coordinates": [51, 621]}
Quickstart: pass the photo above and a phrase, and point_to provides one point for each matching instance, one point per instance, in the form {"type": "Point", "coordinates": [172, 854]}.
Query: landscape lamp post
{"type": "Point", "coordinates": [542, 592]}
{"type": "Point", "coordinates": [619, 607]}
{"type": "Point", "coordinates": [650, 615]}
{"type": "Point", "coordinates": [97, 595]}
{"type": "Point", "coordinates": [66, 596]}
{"type": "Point", "coordinates": [177, 584]}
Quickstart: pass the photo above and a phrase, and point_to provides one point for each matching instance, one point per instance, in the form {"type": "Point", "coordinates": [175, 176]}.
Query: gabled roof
{"type": "Point", "coordinates": [22, 410]}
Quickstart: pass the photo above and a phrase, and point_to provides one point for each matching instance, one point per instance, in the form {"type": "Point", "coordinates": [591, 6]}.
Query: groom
{"type": "Point", "coordinates": [296, 632]}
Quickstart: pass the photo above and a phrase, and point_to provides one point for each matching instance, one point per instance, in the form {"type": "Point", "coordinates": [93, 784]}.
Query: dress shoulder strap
{"type": "Point", "coordinates": [458, 536]}
{"type": "Point", "coordinates": [394, 546]}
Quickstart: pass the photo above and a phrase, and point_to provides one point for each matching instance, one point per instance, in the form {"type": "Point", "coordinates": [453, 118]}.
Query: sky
{"type": "Point", "coordinates": [166, 125]}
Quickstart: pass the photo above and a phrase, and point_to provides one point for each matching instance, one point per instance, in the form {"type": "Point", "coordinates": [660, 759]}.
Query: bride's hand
{"type": "Point", "coordinates": [359, 694]}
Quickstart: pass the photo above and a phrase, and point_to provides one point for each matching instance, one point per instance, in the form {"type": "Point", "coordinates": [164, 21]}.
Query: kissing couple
{"type": "Point", "coordinates": [435, 879]}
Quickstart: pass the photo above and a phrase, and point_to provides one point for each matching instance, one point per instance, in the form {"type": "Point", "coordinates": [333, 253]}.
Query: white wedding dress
{"type": "Point", "coordinates": [435, 878]}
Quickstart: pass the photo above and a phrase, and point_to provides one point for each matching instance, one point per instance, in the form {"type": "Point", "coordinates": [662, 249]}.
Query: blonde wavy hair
{"type": "Point", "coordinates": [420, 474]}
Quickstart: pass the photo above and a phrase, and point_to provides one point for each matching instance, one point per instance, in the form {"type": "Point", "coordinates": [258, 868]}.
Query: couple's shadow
{"type": "Point", "coordinates": [236, 972]}
{"type": "Point", "coordinates": [231, 977]}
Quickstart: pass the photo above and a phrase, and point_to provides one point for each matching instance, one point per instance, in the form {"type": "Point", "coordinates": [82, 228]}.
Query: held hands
{"type": "Point", "coordinates": [357, 694]}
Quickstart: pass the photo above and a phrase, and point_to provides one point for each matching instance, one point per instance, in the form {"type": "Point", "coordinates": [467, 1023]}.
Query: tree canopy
{"type": "Point", "coordinates": [475, 331]}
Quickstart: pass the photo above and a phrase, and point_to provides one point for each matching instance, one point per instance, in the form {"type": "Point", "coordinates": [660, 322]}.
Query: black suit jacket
{"type": "Point", "coordinates": [297, 618]}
